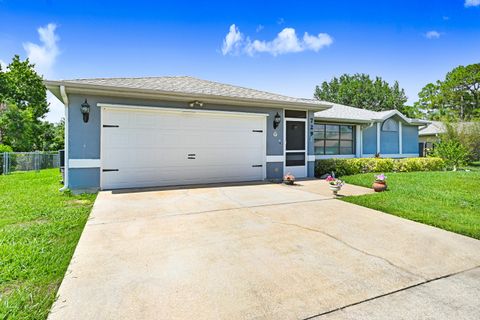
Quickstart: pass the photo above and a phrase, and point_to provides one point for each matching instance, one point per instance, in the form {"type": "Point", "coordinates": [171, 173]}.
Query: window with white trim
{"type": "Point", "coordinates": [390, 125]}
{"type": "Point", "coordinates": [333, 139]}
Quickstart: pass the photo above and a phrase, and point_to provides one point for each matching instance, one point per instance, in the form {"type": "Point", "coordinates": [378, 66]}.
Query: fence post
{"type": "Point", "coordinates": [5, 163]}
{"type": "Point", "coordinates": [37, 161]}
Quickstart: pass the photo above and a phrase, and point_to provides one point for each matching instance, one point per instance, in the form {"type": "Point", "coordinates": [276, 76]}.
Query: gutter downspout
{"type": "Point", "coordinates": [63, 93]}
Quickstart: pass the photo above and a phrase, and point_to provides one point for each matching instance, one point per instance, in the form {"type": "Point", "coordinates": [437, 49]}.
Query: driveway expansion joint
{"type": "Point", "coordinates": [342, 308]}
{"type": "Point", "coordinates": [207, 211]}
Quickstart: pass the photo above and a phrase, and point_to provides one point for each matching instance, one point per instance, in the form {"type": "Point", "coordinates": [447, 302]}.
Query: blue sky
{"type": "Point", "coordinates": [414, 42]}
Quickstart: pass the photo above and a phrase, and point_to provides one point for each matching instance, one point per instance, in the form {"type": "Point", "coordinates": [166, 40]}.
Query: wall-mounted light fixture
{"type": "Point", "coordinates": [196, 103]}
{"type": "Point", "coordinates": [85, 109]}
{"type": "Point", "coordinates": [276, 121]}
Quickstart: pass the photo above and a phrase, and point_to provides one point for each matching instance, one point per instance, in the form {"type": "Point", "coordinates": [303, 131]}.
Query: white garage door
{"type": "Point", "coordinates": [145, 147]}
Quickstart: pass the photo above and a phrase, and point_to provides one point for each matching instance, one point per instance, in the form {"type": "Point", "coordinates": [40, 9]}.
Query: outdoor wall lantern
{"type": "Point", "coordinates": [85, 109]}
{"type": "Point", "coordinates": [276, 121]}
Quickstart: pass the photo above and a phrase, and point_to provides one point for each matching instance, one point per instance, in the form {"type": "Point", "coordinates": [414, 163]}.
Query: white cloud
{"type": "Point", "coordinates": [259, 28]}
{"type": "Point", "coordinates": [286, 41]}
{"type": "Point", "coordinates": [232, 40]}
{"type": "Point", "coordinates": [280, 21]}
{"type": "Point", "coordinates": [316, 43]}
{"type": "Point", "coordinates": [3, 65]}
{"type": "Point", "coordinates": [446, 18]}
{"type": "Point", "coordinates": [44, 55]}
{"type": "Point", "coordinates": [432, 34]}
{"type": "Point", "coordinates": [472, 3]}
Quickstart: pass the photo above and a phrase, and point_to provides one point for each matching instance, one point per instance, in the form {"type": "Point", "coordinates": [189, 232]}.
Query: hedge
{"type": "Point", "coordinates": [344, 167]}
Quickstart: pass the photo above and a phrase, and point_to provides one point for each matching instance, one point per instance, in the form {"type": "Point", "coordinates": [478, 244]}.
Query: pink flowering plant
{"type": "Point", "coordinates": [289, 178]}
{"type": "Point", "coordinates": [334, 181]}
{"type": "Point", "coordinates": [381, 178]}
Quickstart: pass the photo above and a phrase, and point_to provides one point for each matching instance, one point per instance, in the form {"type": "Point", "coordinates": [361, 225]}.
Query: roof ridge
{"type": "Point", "coordinates": [242, 87]}
{"type": "Point", "coordinates": [193, 78]}
{"type": "Point", "coordinates": [124, 78]}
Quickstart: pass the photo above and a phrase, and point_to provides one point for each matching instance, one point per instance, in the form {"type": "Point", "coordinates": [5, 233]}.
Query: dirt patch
{"type": "Point", "coordinates": [26, 224]}
{"type": "Point", "coordinates": [79, 202]}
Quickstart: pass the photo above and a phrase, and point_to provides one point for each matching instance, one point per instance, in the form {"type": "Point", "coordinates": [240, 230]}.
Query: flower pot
{"type": "Point", "coordinates": [379, 186]}
{"type": "Point", "coordinates": [289, 182]}
{"type": "Point", "coordinates": [335, 189]}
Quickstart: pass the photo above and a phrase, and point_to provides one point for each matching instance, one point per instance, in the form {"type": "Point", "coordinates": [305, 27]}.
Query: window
{"type": "Point", "coordinates": [390, 125]}
{"type": "Point", "coordinates": [295, 114]}
{"type": "Point", "coordinates": [333, 139]}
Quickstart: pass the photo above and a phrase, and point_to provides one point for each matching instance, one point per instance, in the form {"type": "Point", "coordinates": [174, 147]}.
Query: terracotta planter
{"type": "Point", "coordinates": [289, 182]}
{"type": "Point", "coordinates": [379, 186]}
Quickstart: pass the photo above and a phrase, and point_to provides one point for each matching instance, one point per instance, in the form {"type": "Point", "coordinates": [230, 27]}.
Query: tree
{"type": "Point", "coordinates": [23, 105]}
{"type": "Point", "coordinates": [360, 91]}
{"type": "Point", "coordinates": [53, 135]}
{"type": "Point", "coordinates": [456, 97]}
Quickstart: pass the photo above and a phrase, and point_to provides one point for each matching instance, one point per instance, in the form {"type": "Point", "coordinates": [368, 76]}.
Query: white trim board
{"type": "Point", "coordinates": [66, 159]}
{"type": "Point", "coordinates": [181, 110]}
{"type": "Point", "coordinates": [83, 163]}
{"type": "Point", "coordinates": [275, 158]}
{"type": "Point", "coordinates": [333, 156]}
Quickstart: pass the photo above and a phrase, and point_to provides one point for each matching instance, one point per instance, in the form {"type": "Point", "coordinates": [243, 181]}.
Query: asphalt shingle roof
{"type": "Point", "coordinates": [435, 127]}
{"type": "Point", "coordinates": [339, 111]}
{"type": "Point", "coordinates": [190, 85]}
{"type": "Point", "coordinates": [342, 112]}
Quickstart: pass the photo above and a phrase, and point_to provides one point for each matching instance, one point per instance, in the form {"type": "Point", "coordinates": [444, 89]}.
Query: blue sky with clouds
{"type": "Point", "coordinates": [279, 46]}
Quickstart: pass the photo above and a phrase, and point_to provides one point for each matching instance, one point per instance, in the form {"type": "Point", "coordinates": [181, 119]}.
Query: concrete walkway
{"type": "Point", "coordinates": [263, 252]}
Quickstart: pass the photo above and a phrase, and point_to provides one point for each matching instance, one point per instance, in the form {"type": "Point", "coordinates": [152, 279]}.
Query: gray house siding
{"type": "Point", "coordinates": [369, 139]}
{"type": "Point", "coordinates": [85, 179]}
{"type": "Point", "coordinates": [275, 170]}
{"type": "Point", "coordinates": [84, 138]}
{"type": "Point", "coordinates": [410, 139]}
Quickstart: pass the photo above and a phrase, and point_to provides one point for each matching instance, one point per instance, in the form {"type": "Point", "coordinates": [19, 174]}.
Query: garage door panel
{"type": "Point", "coordinates": [151, 148]}
{"type": "Point", "coordinates": [146, 177]}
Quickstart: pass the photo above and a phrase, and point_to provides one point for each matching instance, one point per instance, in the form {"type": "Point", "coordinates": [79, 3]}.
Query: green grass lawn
{"type": "Point", "coordinates": [39, 229]}
{"type": "Point", "coordinates": [447, 200]}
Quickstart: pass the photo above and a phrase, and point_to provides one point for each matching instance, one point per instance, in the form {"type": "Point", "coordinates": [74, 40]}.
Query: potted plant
{"type": "Point", "coordinates": [289, 179]}
{"type": "Point", "coordinates": [334, 184]}
{"type": "Point", "coordinates": [380, 183]}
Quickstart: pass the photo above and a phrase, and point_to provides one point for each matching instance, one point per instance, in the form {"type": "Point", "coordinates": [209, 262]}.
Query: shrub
{"type": "Point", "coordinates": [5, 148]}
{"type": "Point", "coordinates": [453, 152]}
{"type": "Point", "coordinates": [342, 167]}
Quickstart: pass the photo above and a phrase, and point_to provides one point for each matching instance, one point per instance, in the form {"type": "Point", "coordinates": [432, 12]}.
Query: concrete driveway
{"type": "Point", "coordinates": [263, 252]}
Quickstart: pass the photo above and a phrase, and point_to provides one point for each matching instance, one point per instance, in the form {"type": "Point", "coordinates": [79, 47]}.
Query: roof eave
{"type": "Point", "coordinates": [78, 88]}
{"type": "Point", "coordinates": [343, 120]}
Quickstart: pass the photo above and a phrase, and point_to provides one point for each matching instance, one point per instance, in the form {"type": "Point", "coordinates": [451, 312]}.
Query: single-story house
{"type": "Point", "coordinates": [163, 131]}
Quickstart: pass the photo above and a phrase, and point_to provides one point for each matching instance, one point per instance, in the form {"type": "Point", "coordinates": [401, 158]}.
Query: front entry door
{"type": "Point", "coordinates": [295, 148]}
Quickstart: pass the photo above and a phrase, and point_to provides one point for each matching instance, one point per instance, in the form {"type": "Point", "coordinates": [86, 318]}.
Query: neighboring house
{"type": "Point", "coordinates": [163, 131]}
{"type": "Point", "coordinates": [430, 134]}
{"type": "Point", "coordinates": [348, 132]}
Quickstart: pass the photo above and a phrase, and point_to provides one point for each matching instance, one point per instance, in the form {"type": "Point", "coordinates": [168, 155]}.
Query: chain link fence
{"type": "Point", "coordinates": [28, 161]}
